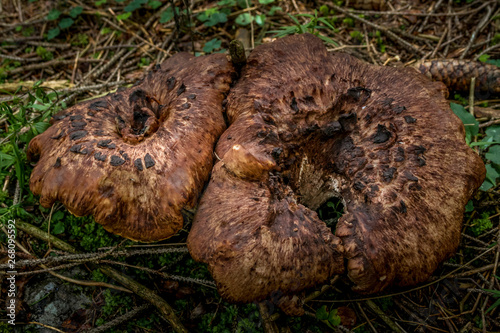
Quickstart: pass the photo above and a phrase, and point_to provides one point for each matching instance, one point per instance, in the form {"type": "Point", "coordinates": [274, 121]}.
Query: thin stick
{"type": "Point", "coordinates": [383, 316]}
{"type": "Point", "coordinates": [144, 292]}
{"type": "Point", "coordinates": [389, 33]}
{"type": "Point", "coordinates": [476, 31]}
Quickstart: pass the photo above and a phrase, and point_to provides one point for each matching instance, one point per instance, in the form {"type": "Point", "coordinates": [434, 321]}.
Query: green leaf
{"type": "Point", "coordinates": [212, 45]}
{"type": "Point", "coordinates": [493, 154]}
{"type": "Point", "coordinates": [40, 107]}
{"type": "Point", "coordinates": [57, 216]}
{"type": "Point", "coordinates": [244, 19]}
{"type": "Point", "coordinates": [328, 40]}
{"type": "Point", "coordinates": [229, 3]}
{"type": "Point", "coordinates": [265, 2]}
{"type": "Point", "coordinates": [53, 15]}
{"type": "Point", "coordinates": [491, 176]}
{"type": "Point", "coordinates": [243, 4]}
{"type": "Point", "coordinates": [334, 319]}
{"type": "Point", "coordinates": [260, 19]}
{"type": "Point", "coordinates": [100, 2]}
{"type": "Point", "coordinates": [497, 303]}
{"type": "Point", "coordinates": [41, 126]}
{"type": "Point", "coordinates": [495, 62]}
{"type": "Point", "coordinates": [58, 228]}
{"type": "Point", "coordinates": [469, 207]}
{"type": "Point", "coordinates": [6, 160]}
{"type": "Point", "coordinates": [53, 33]}
{"type": "Point", "coordinates": [322, 313]}
{"type": "Point", "coordinates": [493, 132]}
{"type": "Point", "coordinates": [274, 9]}
{"type": "Point", "coordinates": [484, 58]}
{"type": "Point", "coordinates": [215, 19]}
{"type": "Point", "coordinates": [167, 15]}
{"type": "Point", "coordinates": [135, 4]}
{"type": "Point", "coordinates": [66, 23]}
{"type": "Point", "coordinates": [470, 123]}
{"type": "Point", "coordinates": [123, 16]}
{"type": "Point", "coordinates": [75, 11]}
{"type": "Point", "coordinates": [154, 4]}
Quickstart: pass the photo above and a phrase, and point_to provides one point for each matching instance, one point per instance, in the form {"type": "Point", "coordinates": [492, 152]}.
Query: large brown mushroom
{"type": "Point", "coordinates": [136, 158]}
{"type": "Point", "coordinates": [307, 126]}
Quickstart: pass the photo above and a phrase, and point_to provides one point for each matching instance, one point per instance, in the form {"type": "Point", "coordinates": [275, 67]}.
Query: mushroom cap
{"type": "Point", "coordinates": [311, 125]}
{"type": "Point", "coordinates": [136, 158]}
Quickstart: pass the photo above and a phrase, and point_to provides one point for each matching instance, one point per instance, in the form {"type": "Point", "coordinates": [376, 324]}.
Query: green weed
{"type": "Point", "coordinates": [313, 26]}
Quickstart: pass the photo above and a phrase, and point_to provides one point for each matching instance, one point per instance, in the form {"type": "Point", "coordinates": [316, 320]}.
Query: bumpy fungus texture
{"type": "Point", "coordinates": [307, 126]}
{"type": "Point", "coordinates": [136, 158]}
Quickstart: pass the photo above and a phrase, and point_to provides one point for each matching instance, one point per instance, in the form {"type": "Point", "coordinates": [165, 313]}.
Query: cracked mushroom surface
{"type": "Point", "coordinates": [307, 126]}
{"type": "Point", "coordinates": [136, 158]}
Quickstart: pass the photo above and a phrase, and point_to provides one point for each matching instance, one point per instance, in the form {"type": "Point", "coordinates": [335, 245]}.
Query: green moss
{"type": "Point", "coordinates": [478, 226]}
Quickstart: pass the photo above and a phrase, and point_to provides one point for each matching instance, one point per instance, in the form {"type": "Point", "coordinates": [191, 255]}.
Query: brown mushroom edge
{"type": "Point", "coordinates": [136, 158]}
{"type": "Point", "coordinates": [306, 126]}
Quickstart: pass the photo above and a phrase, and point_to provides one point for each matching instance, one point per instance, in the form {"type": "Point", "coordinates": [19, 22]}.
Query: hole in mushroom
{"type": "Point", "coordinates": [331, 211]}
{"type": "Point", "coordinates": [141, 124]}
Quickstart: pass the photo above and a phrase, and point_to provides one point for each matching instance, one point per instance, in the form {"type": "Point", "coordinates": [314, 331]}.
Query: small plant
{"type": "Point", "coordinates": [330, 318]}
{"type": "Point", "coordinates": [64, 23]}
{"type": "Point", "coordinates": [495, 294]}
{"type": "Point", "coordinates": [213, 45]}
{"type": "Point", "coordinates": [135, 5]}
{"type": "Point", "coordinates": [315, 24]}
{"type": "Point", "coordinates": [25, 120]}
{"type": "Point", "coordinates": [489, 142]}
{"type": "Point", "coordinates": [44, 54]}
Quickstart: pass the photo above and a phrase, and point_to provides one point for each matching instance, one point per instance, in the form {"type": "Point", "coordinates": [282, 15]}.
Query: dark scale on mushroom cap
{"type": "Point", "coordinates": [100, 156]}
{"type": "Point", "coordinates": [116, 160]}
{"type": "Point", "coordinates": [389, 234]}
{"type": "Point", "coordinates": [59, 135]}
{"type": "Point", "coordinates": [410, 120]}
{"type": "Point", "coordinates": [77, 135]}
{"type": "Point", "coordinates": [181, 89]}
{"type": "Point", "coordinates": [97, 105]}
{"type": "Point", "coordinates": [102, 172]}
{"type": "Point", "coordinates": [138, 164]}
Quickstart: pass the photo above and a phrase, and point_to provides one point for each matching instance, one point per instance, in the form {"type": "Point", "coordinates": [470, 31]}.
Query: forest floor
{"type": "Point", "coordinates": [54, 54]}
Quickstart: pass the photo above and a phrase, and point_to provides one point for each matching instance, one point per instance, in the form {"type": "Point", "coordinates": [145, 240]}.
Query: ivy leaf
{"type": "Point", "coordinates": [66, 23]}
{"type": "Point", "coordinates": [75, 11]}
{"type": "Point", "coordinates": [53, 33]}
{"type": "Point", "coordinates": [58, 228]}
{"type": "Point", "coordinates": [244, 19]}
{"type": "Point", "coordinates": [265, 2]}
{"type": "Point", "coordinates": [212, 45]}
{"type": "Point", "coordinates": [53, 15]}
